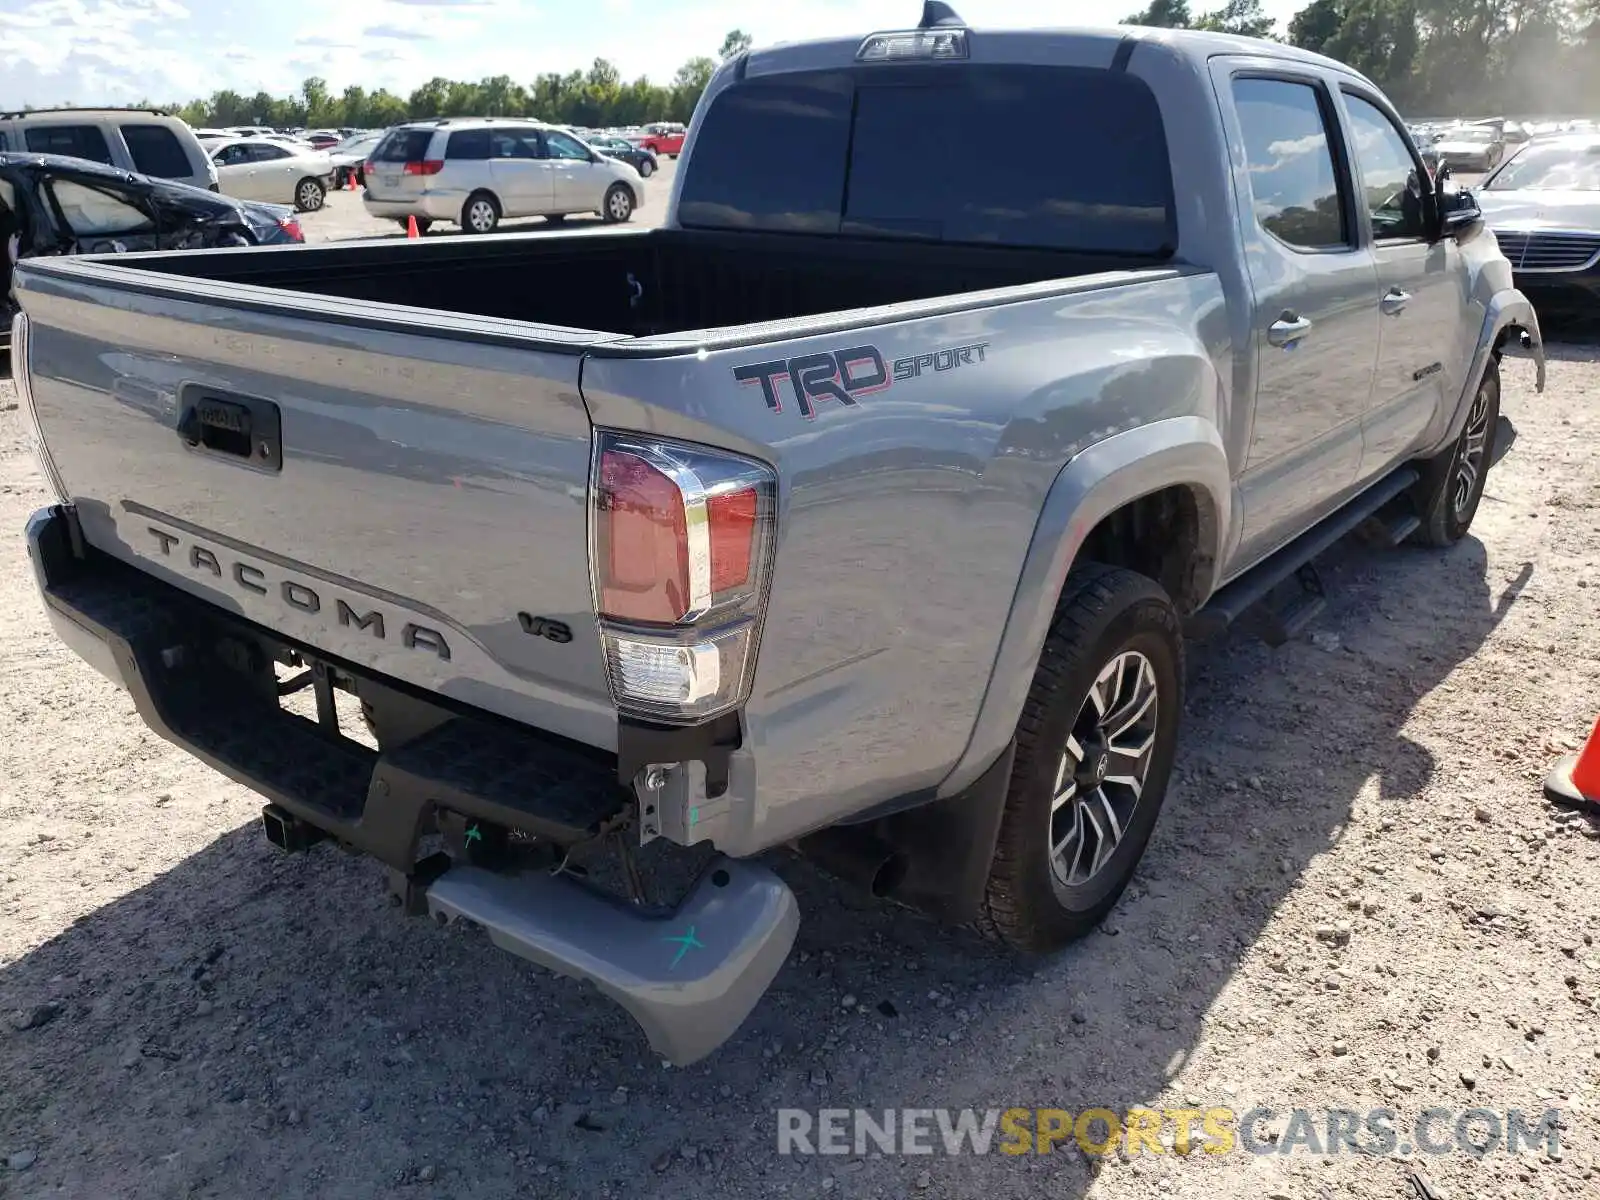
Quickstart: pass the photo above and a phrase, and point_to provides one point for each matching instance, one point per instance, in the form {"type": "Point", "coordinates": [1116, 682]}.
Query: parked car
{"type": "Point", "coordinates": [350, 156]}
{"type": "Point", "coordinates": [1470, 148]}
{"type": "Point", "coordinates": [58, 206]}
{"type": "Point", "coordinates": [864, 505]}
{"type": "Point", "coordinates": [637, 157]}
{"type": "Point", "coordinates": [476, 171]}
{"type": "Point", "coordinates": [664, 140]}
{"type": "Point", "coordinates": [259, 169]}
{"type": "Point", "coordinates": [141, 140]}
{"type": "Point", "coordinates": [322, 139]}
{"type": "Point", "coordinates": [1543, 204]}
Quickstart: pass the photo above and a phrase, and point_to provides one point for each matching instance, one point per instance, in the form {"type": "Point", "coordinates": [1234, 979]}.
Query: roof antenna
{"type": "Point", "coordinates": [936, 13]}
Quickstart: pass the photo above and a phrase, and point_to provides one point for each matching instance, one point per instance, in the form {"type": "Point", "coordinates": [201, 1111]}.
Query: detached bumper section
{"type": "Point", "coordinates": [689, 975]}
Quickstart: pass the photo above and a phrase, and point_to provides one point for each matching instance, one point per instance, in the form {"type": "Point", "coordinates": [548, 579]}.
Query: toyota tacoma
{"type": "Point", "coordinates": [863, 507]}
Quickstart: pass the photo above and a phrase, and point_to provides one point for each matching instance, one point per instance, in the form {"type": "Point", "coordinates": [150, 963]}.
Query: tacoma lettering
{"type": "Point", "coordinates": [299, 595]}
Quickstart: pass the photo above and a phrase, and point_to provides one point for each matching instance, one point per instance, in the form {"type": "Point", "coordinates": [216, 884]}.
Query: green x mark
{"type": "Point", "coordinates": [685, 942]}
{"type": "Point", "coordinates": [473, 834]}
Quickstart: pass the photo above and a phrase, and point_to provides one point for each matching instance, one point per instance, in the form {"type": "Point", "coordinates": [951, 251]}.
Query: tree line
{"type": "Point", "coordinates": [598, 97]}
{"type": "Point", "coordinates": [1433, 58]}
{"type": "Point", "coordinates": [1438, 58]}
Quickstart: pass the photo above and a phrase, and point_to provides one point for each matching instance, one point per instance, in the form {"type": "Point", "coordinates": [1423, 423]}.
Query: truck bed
{"type": "Point", "coordinates": [638, 283]}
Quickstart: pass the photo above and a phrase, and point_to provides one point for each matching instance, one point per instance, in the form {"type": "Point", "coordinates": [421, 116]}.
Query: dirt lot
{"type": "Point", "coordinates": [186, 1012]}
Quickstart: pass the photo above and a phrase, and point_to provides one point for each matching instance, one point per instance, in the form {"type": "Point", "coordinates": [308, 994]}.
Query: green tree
{"type": "Point", "coordinates": [1317, 24]}
{"type": "Point", "coordinates": [1242, 17]}
{"type": "Point", "coordinates": [736, 43]}
{"type": "Point", "coordinates": [1163, 14]}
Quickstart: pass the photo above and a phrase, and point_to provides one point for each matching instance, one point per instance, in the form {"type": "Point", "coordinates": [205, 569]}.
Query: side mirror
{"type": "Point", "coordinates": [1459, 210]}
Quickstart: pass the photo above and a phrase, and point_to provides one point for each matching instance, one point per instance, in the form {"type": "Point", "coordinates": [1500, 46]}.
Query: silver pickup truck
{"type": "Point", "coordinates": [863, 507]}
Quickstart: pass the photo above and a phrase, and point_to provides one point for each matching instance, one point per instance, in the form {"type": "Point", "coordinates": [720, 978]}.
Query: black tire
{"type": "Point", "coordinates": [1104, 613]}
{"type": "Point", "coordinates": [1446, 501]}
{"type": "Point", "coordinates": [618, 204]}
{"type": "Point", "coordinates": [555, 218]}
{"type": "Point", "coordinates": [646, 169]}
{"type": "Point", "coordinates": [481, 213]}
{"type": "Point", "coordinates": [310, 195]}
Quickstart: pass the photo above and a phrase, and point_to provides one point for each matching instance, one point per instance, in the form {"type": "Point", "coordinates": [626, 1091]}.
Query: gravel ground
{"type": "Point", "coordinates": [1356, 897]}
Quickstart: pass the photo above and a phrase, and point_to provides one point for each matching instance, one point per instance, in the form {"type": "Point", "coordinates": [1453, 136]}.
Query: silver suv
{"type": "Point", "coordinates": [478, 171]}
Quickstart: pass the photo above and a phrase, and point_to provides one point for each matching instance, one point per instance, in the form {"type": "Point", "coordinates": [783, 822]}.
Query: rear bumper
{"type": "Point", "coordinates": [435, 206]}
{"type": "Point", "coordinates": [204, 680]}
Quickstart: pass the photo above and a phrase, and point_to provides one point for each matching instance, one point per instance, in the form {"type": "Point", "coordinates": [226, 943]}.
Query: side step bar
{"type": "Point", "coordinates": [689, 976]}
{"type": "Point", "coordinates": [1244, 593]}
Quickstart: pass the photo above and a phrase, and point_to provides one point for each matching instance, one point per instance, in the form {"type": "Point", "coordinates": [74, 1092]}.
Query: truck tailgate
{"type": "Point", "coordinates": [409, 502]}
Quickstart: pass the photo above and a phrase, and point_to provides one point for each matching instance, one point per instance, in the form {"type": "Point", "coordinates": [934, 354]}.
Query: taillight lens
{"type": "Point", "coordinates": [680, 554]}
{"type": "Point", "coordinates": [427, 166]}
{"type": "Point", "coordinates": [291, 227]}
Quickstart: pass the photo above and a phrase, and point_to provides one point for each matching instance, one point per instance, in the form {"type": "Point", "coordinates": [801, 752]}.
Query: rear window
{"type": "Point", "coordinates": [156, 151]}
{"type": "Point", "coordinates": [1047, 157]}
{"type": "Point", "coordinates": [404, 145]}
{"type": "Point", "coordinates": [76, 141]}
{"type": "Point", "coordinates": [468, 144]}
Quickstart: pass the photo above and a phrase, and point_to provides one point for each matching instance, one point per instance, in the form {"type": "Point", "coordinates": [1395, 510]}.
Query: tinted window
{"type": "Point", "coordinates": [261, 153]}
{"type": "Point", "coordinates": [231, 156]}
{"type": "Point", "coordinates": [97, 211]}
{"type": "Point", "coordinates": [468, 144]}
{"type": "Point", "coordinates": [76, 141]}
{"type": "Point", "coordinates": [1388, 172]}
{"type": "Point", "coordinates": [403, 145]}
{"type": "Point", "coordinates": [509, 145]}
{"type": "Point", "coordinates": [156, 151]}
{"type": "Point", "coordinates": [940, 153]}
{"type": "Point", "coordinates": [559, 145]}
{"type": "Point", "coordinates": [1293, 181]}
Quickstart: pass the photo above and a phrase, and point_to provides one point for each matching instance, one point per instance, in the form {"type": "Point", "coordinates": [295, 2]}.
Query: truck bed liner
{"type": "Point", "coordinates": [638, 283]}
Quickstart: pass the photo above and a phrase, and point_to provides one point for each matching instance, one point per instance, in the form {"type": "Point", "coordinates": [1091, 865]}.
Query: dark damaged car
{"type": "Point", "coordinates": [51, 206]}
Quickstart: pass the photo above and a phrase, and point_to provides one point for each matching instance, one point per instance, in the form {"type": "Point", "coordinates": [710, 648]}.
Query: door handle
{"type": "Point", "coordinates": [1288, 329]}
{"type": "Point", "coordinates": [1394, 302]}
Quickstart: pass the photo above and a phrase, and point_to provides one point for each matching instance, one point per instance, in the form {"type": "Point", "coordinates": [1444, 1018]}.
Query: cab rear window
{"type": "Point", "coordinates": [1044, 157]}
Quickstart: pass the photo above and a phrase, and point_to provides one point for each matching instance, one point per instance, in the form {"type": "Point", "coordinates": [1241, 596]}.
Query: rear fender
{"type": "Point", "coordinates": [1177, 451]}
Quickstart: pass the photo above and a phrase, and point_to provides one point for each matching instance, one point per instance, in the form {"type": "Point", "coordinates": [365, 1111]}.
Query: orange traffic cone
{"type": "Point", "coordinates": [411, 227]}
{"type": "Point", "coordinates": [351, 177]}
{"type": "Point", "coordinates": [1574, 782]}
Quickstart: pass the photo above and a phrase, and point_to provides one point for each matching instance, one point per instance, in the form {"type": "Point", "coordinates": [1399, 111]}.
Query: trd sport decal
{"type": "Point", "coordinates": [845, 376]}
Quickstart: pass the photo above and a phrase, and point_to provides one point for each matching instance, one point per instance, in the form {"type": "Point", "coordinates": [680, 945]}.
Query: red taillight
{"type": "Point", "coordinates": [428, 166]}
{"type": "Point", "coordinates": [732, 521]}
{"type": "Point", "coordinates": [681, 550]}
{"type": "Point", "coordinates": [643, 542]}
{"type": "Point", "coordinates": [291, 227]}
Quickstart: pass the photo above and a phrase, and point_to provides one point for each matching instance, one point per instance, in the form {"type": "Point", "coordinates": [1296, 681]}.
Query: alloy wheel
{"type": "Point", "coordinates": [619, 205]}
{"type": "Point", "coordinates": [1103, 770]}
{"type": "Point", "coordinates": [481, 216]}
{"type": "Point", "coordinates": [1474, 443]}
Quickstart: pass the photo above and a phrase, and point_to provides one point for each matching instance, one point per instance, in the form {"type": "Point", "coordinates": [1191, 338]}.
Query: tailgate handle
{"type": "Point", "coordinates": [242, 428]}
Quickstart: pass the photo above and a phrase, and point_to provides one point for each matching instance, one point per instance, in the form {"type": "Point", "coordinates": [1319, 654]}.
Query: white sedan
{"type": "Point", "coordinates": [258, 169]}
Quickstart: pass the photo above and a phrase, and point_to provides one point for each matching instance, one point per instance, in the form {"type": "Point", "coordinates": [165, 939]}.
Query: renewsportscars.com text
{"type": "Point", "coordinates": [1100, 1131]}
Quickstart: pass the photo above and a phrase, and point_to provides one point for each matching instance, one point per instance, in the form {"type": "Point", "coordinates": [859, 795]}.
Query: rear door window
{"type": "Point", "coordinates": [96, 211]}
{"type": "Point", "coordinates": [75, 141]}
{"type": "Point", "coordinates": [509, 145]}
{"type": "Point", "coordinates": [1294, 180]}
{"type": "Point", "coordinates": [156, 151]}
{"type": "Point", "coordinates": [940, 153]}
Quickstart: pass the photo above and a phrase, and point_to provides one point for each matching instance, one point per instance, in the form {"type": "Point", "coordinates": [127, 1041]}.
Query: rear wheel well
{"type": "Point", "coordinates": [1166, 536]}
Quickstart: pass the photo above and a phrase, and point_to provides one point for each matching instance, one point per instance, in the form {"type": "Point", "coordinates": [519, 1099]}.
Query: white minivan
{"type": "Point", "coordinates": [142, 140]}
{"type": "Point", "coordinates": [477, 170]}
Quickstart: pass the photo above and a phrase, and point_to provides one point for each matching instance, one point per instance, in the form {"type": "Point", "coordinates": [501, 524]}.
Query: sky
{"type": "Point", "coordinates": [122, 51]}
